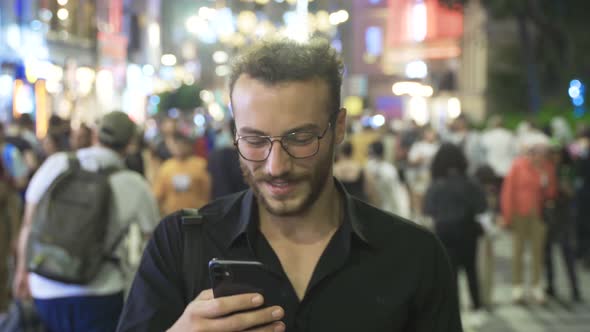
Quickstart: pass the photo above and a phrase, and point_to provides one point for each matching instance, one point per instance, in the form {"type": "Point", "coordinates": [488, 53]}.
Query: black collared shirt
{"type": "Point", "coordinates": [379, 272]}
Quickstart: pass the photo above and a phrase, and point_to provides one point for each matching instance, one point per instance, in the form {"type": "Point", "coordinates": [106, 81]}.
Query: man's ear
{"type": "Point", "coordinates": [340, 126]}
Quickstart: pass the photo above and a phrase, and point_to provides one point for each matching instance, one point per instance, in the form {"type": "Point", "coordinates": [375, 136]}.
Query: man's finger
{"type": "Point", "coordinates": [247, 320]}
{"type": "Point", "coordinates": [207, 294]}
{"type": "Point", "coordinates": [274, 327]}
{"type": "Point", "coordinates": [217, 307]}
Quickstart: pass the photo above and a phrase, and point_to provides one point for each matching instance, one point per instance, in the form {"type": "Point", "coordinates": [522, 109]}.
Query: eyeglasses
{"type": "Point", "coordinates": [298, 145]}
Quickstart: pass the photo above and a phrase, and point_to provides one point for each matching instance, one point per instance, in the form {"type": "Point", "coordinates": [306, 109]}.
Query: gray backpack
{"type": "Point", "coordinates": [69, 228]}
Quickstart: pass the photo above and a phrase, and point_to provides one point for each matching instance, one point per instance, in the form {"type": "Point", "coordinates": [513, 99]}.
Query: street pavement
{"type": "Point", "coordinates": [559, 314]}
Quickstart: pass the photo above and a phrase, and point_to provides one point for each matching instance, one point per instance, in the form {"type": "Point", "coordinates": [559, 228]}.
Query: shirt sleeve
{"type": "Point", "coordinates": [147, 217]}
{"type": "Point", "coordinates": [156, 299]}
{"type": "Point", "coordinates": [436, 306]}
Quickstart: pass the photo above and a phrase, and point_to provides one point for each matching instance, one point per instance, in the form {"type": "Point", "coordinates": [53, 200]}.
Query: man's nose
{"type": "Point", "coordinates": [278, 161]}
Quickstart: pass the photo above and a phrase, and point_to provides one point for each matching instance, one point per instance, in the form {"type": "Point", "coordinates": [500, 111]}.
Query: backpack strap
{"type": "Point", "coordinates": [73, 161]}
{"type": "Point", "coordinates": [192, 224]}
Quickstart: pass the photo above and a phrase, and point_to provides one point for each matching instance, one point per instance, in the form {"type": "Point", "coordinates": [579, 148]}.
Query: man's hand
{"type": "Point", "coordinates": [20, 285]}
{"type": "Point", "coordinates": [228, 314]}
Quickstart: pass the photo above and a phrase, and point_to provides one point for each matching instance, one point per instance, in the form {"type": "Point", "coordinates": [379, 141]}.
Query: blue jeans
{"type": "Point", "coordinates": [81, 313]}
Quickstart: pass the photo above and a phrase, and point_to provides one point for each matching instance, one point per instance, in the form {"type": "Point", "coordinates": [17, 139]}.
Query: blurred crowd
{"type": "Point", "coordinates": [464, 184]}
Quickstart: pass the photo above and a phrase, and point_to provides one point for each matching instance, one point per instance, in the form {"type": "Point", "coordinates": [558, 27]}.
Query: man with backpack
{"type": "Point", "coordinates": [79, 207]}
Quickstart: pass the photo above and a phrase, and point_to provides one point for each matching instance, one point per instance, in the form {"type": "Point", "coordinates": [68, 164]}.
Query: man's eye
{"type": "Point", "coordinates": [301, 138]}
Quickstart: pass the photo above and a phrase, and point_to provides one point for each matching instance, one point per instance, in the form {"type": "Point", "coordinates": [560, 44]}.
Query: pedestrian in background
{"type": "Point", "coordinates": [529, 186]}
{"type": "Point", "coordinates": [94, 305]}
{"type": "Point", "coordinates": [182, 181]}
{"type": "Point", "coordinates": [560, 223]}
{"type": "Point", "coordinates": [453, 201]}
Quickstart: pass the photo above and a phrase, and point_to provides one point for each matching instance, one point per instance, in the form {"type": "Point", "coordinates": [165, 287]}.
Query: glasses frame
{"type": "Point", "coordinates": [281, 138]}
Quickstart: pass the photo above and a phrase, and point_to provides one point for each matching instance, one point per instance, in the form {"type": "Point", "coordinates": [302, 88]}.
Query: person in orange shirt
{"type": "Point", "coordinates": [529, 186]}
{"type": "Point", "coordinates": [182, 181]}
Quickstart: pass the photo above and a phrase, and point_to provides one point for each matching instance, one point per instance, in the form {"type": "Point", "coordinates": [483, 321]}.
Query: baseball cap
{"type": "Point", "coordinates": [116, 129]}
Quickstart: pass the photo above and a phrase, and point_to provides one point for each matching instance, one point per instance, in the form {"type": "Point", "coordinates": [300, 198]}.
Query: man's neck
{"type": "Point", "coordinates": [320, 221]}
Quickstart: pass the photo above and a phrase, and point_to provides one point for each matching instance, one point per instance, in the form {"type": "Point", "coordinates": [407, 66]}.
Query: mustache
{"type": "Point", "coordinates": [282, 177]}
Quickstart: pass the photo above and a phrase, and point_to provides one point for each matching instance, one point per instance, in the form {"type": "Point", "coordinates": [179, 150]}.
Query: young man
{"type": "Point", "coordinates": [182, 181]}
{"type": "Point", "coordinates": [337, 263]}
{"type": "Point", "coordinates": [97, 305]}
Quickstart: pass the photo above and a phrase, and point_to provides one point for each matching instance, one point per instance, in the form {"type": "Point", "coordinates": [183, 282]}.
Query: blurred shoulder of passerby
{"type": "Point", "coordinates": [453, 201]}
{"type": "Point", "coordinates": [182, 181]}
{"type": "Point", "coordinates": [384, 186]}
{"type": "Point", "coordinates": [350, 172]}
{"type": "Point", "coordinates": [498, 144]}
{"type": "Point", "coordinates": [224, 167]}
{"type": "Point", "coordinates": [98, 302]}
{"type": "Point", "coordinates": [529, 186]}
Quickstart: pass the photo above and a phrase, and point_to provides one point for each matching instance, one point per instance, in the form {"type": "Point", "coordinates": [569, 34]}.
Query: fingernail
{"type": "Point", "coordinates": [257, 300]}
{"type": "Point", "coordinates": [279, 328]}
{"type": "Point", "coordinates": [277, 313]}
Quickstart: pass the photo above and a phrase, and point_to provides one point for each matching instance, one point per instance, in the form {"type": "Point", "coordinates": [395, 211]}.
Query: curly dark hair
{"type": "Point", "coordinates": [449, 160]}
{"type": "Point", "coordinates": [282, 60]}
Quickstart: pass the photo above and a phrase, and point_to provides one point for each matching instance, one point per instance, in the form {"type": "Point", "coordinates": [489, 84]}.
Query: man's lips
{"type": "Point", "coordinates": [280, 187]}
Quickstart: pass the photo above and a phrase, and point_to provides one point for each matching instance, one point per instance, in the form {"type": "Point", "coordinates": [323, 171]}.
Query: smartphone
{"type": "Point", "coordinates": [232, 277]}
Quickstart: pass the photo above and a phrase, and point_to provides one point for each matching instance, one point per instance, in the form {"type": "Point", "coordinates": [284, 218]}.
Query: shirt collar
{"type": "Point", "coordinates": [243, 208]}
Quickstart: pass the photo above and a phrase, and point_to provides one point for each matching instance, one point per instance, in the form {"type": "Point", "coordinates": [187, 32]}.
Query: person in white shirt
{"type": "Point", "coordinates": [498, 144]}
{"type": "Point", "coordinates": [95, 306]}
{"type": "Point", "coordinates": [418, 174]}
{"type": "Point", "coordinates": [386, 191]}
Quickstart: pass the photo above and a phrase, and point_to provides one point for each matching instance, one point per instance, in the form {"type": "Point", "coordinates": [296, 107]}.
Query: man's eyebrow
{"type": "Point", "coordinates": [251, 131]}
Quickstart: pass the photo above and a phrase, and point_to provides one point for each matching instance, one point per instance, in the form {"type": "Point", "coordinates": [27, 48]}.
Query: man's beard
{"type": "Point", "coordinates": [316, 181]}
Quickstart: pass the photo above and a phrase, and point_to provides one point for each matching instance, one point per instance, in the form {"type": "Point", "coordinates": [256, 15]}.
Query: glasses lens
{"type": "Point", "coordinates": [301, 145]}
{"type": "Point", "coordinates": [253, 147]}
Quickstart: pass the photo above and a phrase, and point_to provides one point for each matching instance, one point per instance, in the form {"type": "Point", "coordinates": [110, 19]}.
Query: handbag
{"type": "Point", "coordinates": [22, 317]}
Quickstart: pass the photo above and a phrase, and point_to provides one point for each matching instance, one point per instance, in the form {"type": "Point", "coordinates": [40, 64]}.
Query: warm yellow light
{"type": "Point", "coordinates": [63, 14]}
{"type": "Point", "coordinates": [62, 2]}
{"type": "Point", "coordinates": [454, 108]}
{"type": "Point", "coordinates": [353, 105]}
{"type": "Point", "coordinates": [413, 89]}
{"type": "Point", "coordinates": [220, 57]}
{"type": "Point", "coordinates": [207, 96]}
{"type": "Point", "coordinates": [42, 116]}
{"type": "Point", "coordinates": [247, 21]}
{"type": "Point", "coordinates": [322, 21]}
{"type": "Point", "coordinates": [216, 112]}
{"type": "Point", "coordinates": [419, 110]}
